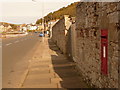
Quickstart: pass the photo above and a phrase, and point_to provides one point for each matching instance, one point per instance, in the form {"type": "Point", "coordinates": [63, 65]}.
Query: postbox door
{"type": "Point", "coordinates": [104, 52]}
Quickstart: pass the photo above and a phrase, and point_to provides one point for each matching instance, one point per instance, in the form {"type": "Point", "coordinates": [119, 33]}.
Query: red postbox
{"type": "Point", "coordinates": [104, 51]}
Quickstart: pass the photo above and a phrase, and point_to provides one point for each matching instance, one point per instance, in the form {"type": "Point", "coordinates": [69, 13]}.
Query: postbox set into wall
{"type": "Point", "coordinates": [104, 51]}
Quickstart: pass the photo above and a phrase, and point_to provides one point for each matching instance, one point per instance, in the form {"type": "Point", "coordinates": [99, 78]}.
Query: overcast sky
{"type": "Point", "coordinates": [27, 11]}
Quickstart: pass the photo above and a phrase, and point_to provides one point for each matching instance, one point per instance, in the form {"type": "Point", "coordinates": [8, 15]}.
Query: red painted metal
{"type": "Point", "coordinates": [104, 51]}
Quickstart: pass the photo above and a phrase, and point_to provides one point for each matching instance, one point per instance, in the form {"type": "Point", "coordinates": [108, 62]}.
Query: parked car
{"type": "Point", "coordinates": [41, 34]}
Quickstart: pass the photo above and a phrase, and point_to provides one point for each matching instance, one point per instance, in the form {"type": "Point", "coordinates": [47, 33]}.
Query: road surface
{"type": "Point", "coordinates": [16, 53]}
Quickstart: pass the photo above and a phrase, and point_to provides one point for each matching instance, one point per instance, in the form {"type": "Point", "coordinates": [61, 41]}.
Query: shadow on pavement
{"type": "Point", "coordinates": [65, 69]}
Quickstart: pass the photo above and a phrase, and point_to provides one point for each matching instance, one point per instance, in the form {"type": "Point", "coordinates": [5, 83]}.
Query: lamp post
{"type": "Point", "coordinates": [34, 0]}
{"type": "Point", "coordinates": [43, 21]}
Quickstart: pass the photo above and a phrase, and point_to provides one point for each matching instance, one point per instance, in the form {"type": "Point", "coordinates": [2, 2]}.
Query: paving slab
{"type": "Point", "coordinates": [39, 66]}
{"type": "Point", "coordinates": [32, 80]}
{"type": "Point", "coordinates": [65, 73]}
{"type": "Point", "coordinates": [73, 82]}
{"type": "Point", "coordinates": [48, 75]}
{"type": "Point", "coordinates": [40, 61]}
{"type": "Point", "coordinates": [40, 69]}
{"type": "Point", "coordinates": [56, 80]}
{"type": "Point", "coordinates": [60, 61]}
{"type": "Point", "coordinates": [46, 86]}
{"type": "Point", "coordinates": [37, 72]}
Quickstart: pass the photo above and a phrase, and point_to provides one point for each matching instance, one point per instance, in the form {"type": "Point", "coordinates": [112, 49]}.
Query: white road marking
{"type": "Point", "coordinates": [16, 41]}
{"type": "Point", "coordinates": [8, 44]}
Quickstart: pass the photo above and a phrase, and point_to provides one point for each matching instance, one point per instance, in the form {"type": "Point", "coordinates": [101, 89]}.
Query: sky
{"type": "Point", "coordinates": [28, 11]}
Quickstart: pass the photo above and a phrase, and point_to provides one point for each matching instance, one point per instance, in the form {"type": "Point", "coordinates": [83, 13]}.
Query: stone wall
{"type": "Point", "coordinates": [59, 32]}
{"type": "Point", "coordinates": [90, 19]}
{"type": "Point", "coordinates": [71, 40]}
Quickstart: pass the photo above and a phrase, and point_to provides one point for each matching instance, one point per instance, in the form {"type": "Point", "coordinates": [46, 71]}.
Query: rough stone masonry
{"type": "Point", "coordinates": [90, 19]}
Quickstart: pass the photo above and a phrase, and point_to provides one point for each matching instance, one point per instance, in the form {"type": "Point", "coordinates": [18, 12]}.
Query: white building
{"type": "Point", "coordinates": [1, 28]}
{"type": "Point", "coordinates": [24, 29]}
{"type": "Point", "coordinates": [32, 27]}
{"type": "Point", "coordinates": [5, 28]}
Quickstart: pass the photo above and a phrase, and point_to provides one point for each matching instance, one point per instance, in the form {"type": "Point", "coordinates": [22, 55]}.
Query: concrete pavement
{"type": "Point", "coordinates": [49, 68]}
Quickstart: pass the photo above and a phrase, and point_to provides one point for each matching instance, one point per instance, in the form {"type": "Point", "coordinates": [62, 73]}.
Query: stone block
{"type": "Point", "coordinates": [113, 17]}
{"type": "Point", "coordinates": [112, 7]}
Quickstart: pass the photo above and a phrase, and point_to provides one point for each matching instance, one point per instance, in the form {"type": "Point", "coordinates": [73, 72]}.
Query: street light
{"type": "Point", "coordinates": [43, 20]}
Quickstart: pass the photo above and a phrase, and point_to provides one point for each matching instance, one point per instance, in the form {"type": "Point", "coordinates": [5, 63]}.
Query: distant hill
{"type": "Point", "coordinates": [69, 10]}
{"type": "Point", "coordinates": [14, 26]}
{"type": "Point", "coordinates": [4, 23]}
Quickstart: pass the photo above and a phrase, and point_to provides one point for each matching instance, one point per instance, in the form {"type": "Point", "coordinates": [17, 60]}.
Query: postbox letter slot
{"type": "Point", "coordinates": [104, 53]}
{"type": "Point", "coordinates": [103, 37]}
